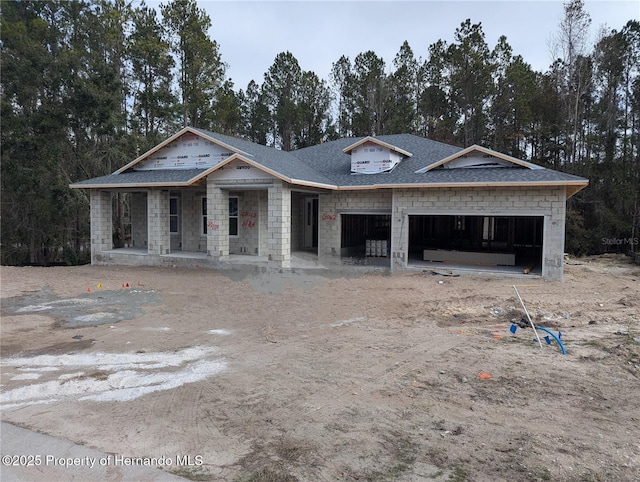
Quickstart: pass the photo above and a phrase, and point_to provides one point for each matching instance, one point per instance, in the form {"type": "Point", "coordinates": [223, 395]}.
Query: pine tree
{"type": "Point", "coordinates": [200, 68]}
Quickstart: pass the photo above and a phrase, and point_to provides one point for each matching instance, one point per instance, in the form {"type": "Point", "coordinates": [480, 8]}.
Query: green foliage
{"type": "Point", "coordinates": [298, 104]}
{"type": "Point", "coordinates": [155, 105]}
{"type": "Point", "coordinates": [281, 91]}
{"type": "Point", "coordinates": [470, 80]}
{"type": "Point", "coordinates": [201, 70]}
{"type": "Point", "coordinates": [369, 93]}
{"type": "Point", "coordinates": [256, 118]}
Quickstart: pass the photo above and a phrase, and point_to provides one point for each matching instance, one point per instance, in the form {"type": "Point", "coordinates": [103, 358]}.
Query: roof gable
{"type": "Point", "coordinates": [379, 142]}
{"type": "Point", "coordinates": [477, 157]}
{"type": "Point", "coordinates": [187, 149]}
{"type": "Point", "coordinates": [371, 155]}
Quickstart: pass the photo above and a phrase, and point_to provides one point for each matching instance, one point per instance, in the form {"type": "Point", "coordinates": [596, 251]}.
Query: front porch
{"type": "Point", "coordinates": [193, 259]}
{"type": "Point", "coordinates": [209, 223]}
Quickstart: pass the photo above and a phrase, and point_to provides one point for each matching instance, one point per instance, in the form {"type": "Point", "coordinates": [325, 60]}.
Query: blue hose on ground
{"type": "Point", "coordinates": [553, 335]}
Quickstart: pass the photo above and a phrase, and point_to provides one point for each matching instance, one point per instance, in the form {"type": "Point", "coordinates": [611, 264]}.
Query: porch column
{"type": "Point", "coordinates": [158, 221]}
{"type": "Point", "coordinates": [279, 225]}
{"type": "Point", "coordinates": [217, 222]}
{"type": "Point", "coordinates": [553, 242]}
{"type": "Point", "coordinates": [399, 233]}
{"type": "Point", "coordinates": [101, 224]}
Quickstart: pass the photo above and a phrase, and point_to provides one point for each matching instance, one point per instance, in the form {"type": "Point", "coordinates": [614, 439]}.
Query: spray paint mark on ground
{"type": "Point", "coordinates": [102, 377]}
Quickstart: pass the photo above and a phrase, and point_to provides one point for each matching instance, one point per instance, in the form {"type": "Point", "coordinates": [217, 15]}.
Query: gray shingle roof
{"type": "Point", "coordinates": [326, 164]}
{"type": "Point", "coordinates": [279, 161]}
{"type": "Point", "coordinates": [165, 177]}
{"type": "Point", "coordinates": [329, 159]}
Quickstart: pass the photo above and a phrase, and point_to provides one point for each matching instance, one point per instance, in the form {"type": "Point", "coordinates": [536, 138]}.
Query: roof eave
{"type": "Point", "coordinates": [135, 185]}
{"type": "Point", "coordinates": [301, 182]}
{"type": "Point", "coordinates": [575, 185]}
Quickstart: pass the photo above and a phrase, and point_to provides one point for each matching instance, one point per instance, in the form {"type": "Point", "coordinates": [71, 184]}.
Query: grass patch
{"type": "Point", "coordinates": [193, 473]}
{"type": "Point", "coordinates": [459, 473]}
{"type": "Point", "coordinates": [398, 459]}
{"type": "Point", "coordinates": [268, 475]}
{"type": "Point", "coordinates": [543, 473]}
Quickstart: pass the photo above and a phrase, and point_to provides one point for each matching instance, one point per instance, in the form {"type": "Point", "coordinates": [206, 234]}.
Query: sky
{"type": "Point", "coordinates": [250, 34]}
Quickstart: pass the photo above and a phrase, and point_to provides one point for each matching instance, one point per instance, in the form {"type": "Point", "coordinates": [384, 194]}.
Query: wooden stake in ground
{"type": "Point", "coordinates": [528, 317]}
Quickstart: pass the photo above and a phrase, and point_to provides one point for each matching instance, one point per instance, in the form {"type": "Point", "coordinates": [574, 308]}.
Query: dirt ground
{"type": "Point", "coordinates": [269, 376]}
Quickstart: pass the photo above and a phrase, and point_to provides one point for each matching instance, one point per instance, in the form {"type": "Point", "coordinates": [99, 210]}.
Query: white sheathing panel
{"type": "Point", "coordinates": [371, 158]}
{"type": "Point", "coordinates": [189, 151]}
{"type": "Point", "coordinates": [239, 170]}
{"type": "Point", "coordinates": [477, 160]}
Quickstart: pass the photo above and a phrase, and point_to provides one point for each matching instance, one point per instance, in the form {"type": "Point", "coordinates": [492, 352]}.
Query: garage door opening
{"type": "Point", "coordinates": [366, 239]}
{"type": "Point", "coordinates": [509, 242]}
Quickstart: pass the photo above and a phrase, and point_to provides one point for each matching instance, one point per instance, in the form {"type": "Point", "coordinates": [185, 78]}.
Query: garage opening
{"type": "Point", "coordinates": [501, 241]}
{"type": "Point", "coordinates": [366, 239]}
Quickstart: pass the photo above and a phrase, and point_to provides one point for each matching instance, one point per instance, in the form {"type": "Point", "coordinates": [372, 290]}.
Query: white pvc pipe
{"type": "Point", "coordinates": [528, 317]}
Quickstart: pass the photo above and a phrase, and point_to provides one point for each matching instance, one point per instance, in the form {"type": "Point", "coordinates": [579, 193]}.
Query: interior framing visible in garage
{"type": "Point", "coordinates": [482, 240]}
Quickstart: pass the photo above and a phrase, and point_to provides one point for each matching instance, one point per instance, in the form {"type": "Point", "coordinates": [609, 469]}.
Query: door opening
{"type": "Point", "coordinates": [310, 223]}
{"type": "Point", "coordinates": [175, 222]}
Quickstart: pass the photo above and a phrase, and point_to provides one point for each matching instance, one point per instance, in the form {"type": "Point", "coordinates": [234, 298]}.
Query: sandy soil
{"type": "Point", "coordinates": [292, 376]}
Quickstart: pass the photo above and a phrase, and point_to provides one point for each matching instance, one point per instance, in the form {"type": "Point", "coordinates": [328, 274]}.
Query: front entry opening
{"type": "Point", "coordinates": [175, 221]}
{"type": "Point", "coordinates": [508, 241]}
{"type": "Point", "coordinates": [366, 238]}
{"type": "Point", "coordinates": [310, 230]}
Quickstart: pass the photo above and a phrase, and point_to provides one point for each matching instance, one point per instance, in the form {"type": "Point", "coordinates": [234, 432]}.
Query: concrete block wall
{"type": "Point", "coordinates": [248, 240]}
{"type": "Point", "coordinates": [263, 222]}
{"type": "Point", "coordinates": [158, 221]}
{"type": "Point", "coordinates": [217, 222]}
{"type": "Point", "coordinates": [101, 224]}
{"type": "Point", "coordinates": [139, 219]}
{"type": "Point", "coordinates": [193, 238]}
{"type": "Point", "coordinates": [513, 201]}
{"type": "Point", "coordinates": [279, 225]}
{"type": "Point", "coordinates": [330, 207]}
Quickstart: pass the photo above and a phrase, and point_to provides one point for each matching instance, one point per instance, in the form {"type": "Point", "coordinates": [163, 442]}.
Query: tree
{"type": "Point", "coordinates": [571, 45]}
{"type": "Point", "coordinates": [256, 119]}
{"type": "Point", "coordinates": [61, 111]}
{"type": "Point", "coordinates": [227, 114]}
{"type": "Point", "coordinates": [153, 100]}
{"type": "Point", "coordinates": [403, 92]}
{"type": "Point", "coordinates": [342, 82]}
{"type": "Point", "coordinates": [435, 107]}
{"type": "Point", "coordinates": [200, 68]}
{"type": "Point", "coordinates": [471, 80]}
{"type": "Point", "coordinates": [369, 95]}
{"type": "Point", "coordinates": [511, 104]}
{"type": "Point", "coordinates": [314, 104]}
{"type": "Point", "coordinates": [547, 120]}
{"type": "Point", "coordinates": [281, 89]}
